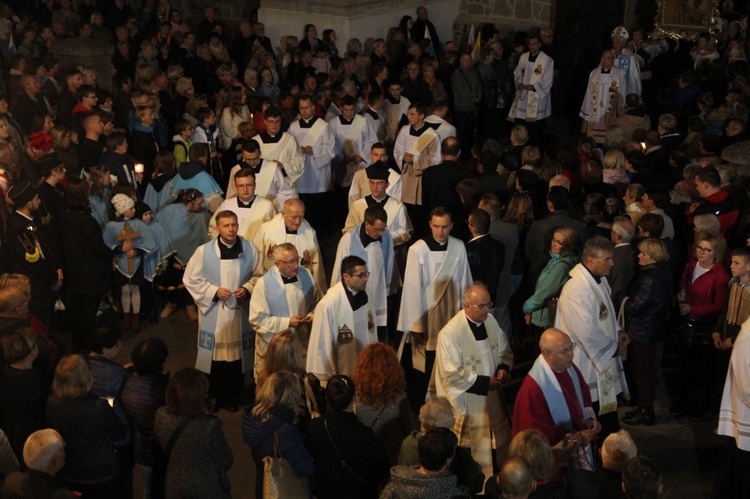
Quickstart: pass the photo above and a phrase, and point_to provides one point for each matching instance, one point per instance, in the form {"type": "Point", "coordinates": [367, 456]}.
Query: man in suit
{"type": "Point", "coordinates": [486, 255]}
{"type": "Point", "coordinates": [625, 257]}
{"type": "Point", "coordinates": [507, 234]}
{"type": "Point", "coordinates": [439, 181]}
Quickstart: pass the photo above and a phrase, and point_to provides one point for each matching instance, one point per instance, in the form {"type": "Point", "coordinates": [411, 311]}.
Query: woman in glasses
{"type": "Point", "coordinates": [701, 296]}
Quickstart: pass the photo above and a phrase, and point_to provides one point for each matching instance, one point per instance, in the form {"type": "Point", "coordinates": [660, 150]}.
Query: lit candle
{"type": "Point", "coordinates": [139, 168]}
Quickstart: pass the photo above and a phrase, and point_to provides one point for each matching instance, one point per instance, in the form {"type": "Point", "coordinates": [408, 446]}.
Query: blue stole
{"type": "Point", "coordinates": [211, 263]}
{"type": "Point", "coordinates": [276, 293]}
{"type": "Point", "coordinates": [358, 249]}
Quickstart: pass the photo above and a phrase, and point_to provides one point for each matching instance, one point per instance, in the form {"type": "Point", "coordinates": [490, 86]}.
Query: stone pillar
{"type": "Point", "coordinates": [362, 19]}
{"type": "Point", "coordinates": [74, 51]}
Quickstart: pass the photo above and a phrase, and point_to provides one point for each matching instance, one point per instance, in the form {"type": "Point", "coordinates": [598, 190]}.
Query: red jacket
{"type": "Point", "coordinates": [706, 295]}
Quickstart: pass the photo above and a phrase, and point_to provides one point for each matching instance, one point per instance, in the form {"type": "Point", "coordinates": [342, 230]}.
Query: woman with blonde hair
{"type": "Point", "coordinates": [533, 446]}
{"type": "Point", "coordinates": [700, 294]}
{"type": "Point", "coordinates": [380, 402]}
{"type": "Point", "coordinates": [614, 168]}
{"type": "Point", "coordinates": [633, 197]}
{"type": "Point", "coordinates": [646, 316]}
{"type": "Point", "coordinates": [89, 426]}
{"type": "Point", "coordinates": [235, 112]}
{"type": "Point", "coordinates": [271, 422]}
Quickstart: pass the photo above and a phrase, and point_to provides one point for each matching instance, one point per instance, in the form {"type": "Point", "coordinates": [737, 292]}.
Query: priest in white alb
{"type": "Point", "coordinates": [218, 278]}
{"type": "Point", "coordinates": [416, 149]}
{"type": "Point", "coordinates": [353, 139]}
{"type": "Point", "coordinates": [533, 78]}
{"type": "Point", "coordinates": [399, 225]}
{"type": "Point", "coordinates": [290, 226]}
{"type": "Point", "coordinates": [343, 325]}
{"type": "Point", "coordinates": [361, 185]}
{"type": "Point", "coordinates": [316, 142]}
{"type": "Point", "coordinates": [605, 98]}
{"type": "Point", "coordinates": [251, 210]}
{"type": "Point", "coordinates": [284, 298]}
{"type": "Point", "coordinates": [372, 242]}
{"type": "Point", "coordinates": [473, 360]}
{"type": "Point", "coordinates": [280, 147]}
{"type": "Point", "coordinates": [396, 110]}
{"type": "Point", "coordinates": [437, 272]}
{"type": "Point", "coordinates": [270, 182]}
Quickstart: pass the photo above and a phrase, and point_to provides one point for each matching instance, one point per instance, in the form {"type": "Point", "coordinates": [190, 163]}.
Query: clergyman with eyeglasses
{"type": "Point", "coordinates": [586, 313]}
{"type": "Point", "coordinates": [473, 360]}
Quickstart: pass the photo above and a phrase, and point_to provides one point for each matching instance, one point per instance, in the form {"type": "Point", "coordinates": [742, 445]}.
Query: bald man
{"type": "Point", "coordinates": [473, 360]}
{"type": "Point", "coordinates": [555, 399]}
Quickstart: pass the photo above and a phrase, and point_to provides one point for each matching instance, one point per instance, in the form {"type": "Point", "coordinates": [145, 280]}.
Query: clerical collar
{"type": "Point", "coordinates": [392, 99]}
{"type": "Point", "coordinates": [307, 124]}
{"type": "Point", "coordinates": [357, 299]}
{"type": "Point", "coordinates": [373, 114]}
{"type": "Point", "coordinates": [243, 204]}
{"type": "Point", "coordinates": [416, 133]}
{"type": "Point", "coordinates": [267, 139]}
{"type": "Point", "coordinates": [345, 121]}
{"type": "Point", "coordinates": [478, 329]}
{"type": "Point", "coordinates": [371, 201]}
{"type": "Point", "coordinates": [290, 231]}
{"type": "Point", "coordinates": [606, 71]}
{"type": "Point", "coordinates": [532, 58]}
{"type": "Point", "coordinates": [229, 252]}
{"type": "Point", "coordinates": [288, 280]}
{"type": "Point", "coordinates": [365, 237]}
{"type": "Point", "coordinates": [435, 245]}
{"type": "Point", "coordinates": [596, 278]}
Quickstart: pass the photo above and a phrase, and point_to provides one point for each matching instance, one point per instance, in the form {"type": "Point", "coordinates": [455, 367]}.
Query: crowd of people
{"type": "Point", "coordinates": [221, 168]}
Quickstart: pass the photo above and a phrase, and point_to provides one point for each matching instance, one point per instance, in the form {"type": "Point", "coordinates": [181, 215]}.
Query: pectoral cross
{"type": "Point", "coordinates": [128, 235]}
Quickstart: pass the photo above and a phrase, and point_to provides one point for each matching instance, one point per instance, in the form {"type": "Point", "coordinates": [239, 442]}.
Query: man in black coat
{"type": "Point", "coordinates": [29, 104]}
{"type": "Point", "coordinates": [486, 255]}
{"type": "Point", "coordinates": [422, 23]}
{"type": "Point", "coordinates": [44, 454]}
{"type": "Point", "coordinates": [439, 181]}
{"type": "Point", "coordinates": [625, 258]}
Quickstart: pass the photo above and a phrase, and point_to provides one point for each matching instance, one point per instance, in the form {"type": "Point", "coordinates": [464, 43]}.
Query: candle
{"type": "Point", "coordinates": [139, 168]}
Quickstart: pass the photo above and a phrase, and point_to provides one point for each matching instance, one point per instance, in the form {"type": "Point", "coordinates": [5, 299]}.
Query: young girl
{"type": "Point", "coordinates": [153, 263]}
{"type": "Point", "coordinates": [128, 260]}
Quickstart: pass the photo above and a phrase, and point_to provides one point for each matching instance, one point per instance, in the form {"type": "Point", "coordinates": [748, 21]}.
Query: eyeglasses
{"type": "Point", "coordinates": [296, 261]}
{"type": "Point", "coordinates": [701, 249]}
{"type": "Point", "coordinates": [564, 351]}
{"type": "Point", "coordinates": [482, 306]}
{"type": "Point", "coordinates": [361, 275]}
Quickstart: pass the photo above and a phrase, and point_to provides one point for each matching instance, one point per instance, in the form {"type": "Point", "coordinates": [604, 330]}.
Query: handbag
{"type": "Point", "coordinates": [280, 481]}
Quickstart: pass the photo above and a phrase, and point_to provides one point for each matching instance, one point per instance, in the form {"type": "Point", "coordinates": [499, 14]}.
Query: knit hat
{"type": "Point", "coordinates": [620, 32]}
{"type": "Point", "coordinates": [21, 193]}
{"type": "Point", "coordinates": [122, 203]}
{"type": "Point", "coordinates": [141, 208]}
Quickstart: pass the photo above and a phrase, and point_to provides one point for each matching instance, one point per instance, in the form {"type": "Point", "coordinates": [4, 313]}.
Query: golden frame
{"type": "Point", "coordinates": [691, 16]}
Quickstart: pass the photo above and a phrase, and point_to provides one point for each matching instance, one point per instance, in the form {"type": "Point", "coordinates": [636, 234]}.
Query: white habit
{"type": "Point", "coordinates": [734, 415]}
{"type": "Point", "coordinates": [352, 138]}
{"type": "Point", "coordinates": [399, 224]}
{"type": "Point", "coordinates": [261, 210]}
{"type": "Point", "coordinates": [316, 177]}
{"type": "Point", "coordinates": [462, 365]}
{"type": "Point", "coordinates": [284, 149]}
{"type": "Point", "coordinates": [273, 303]}
{"type": "Point", "coordinates": [305, 240]}
{"type": "Point", "coordinates": [442, 127]}
{"type": "Point", "coordinates": [604, 101]}
{"type": "Point", "coordinates": [338, 334]}
{"type": "Point", "coordinates": [424, 146]}
{"type": "Point", "coordinates": [533, 105]}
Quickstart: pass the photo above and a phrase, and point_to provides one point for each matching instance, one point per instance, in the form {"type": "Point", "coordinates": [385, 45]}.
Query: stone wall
{"type": "Point", "coordinates": [506, 15]}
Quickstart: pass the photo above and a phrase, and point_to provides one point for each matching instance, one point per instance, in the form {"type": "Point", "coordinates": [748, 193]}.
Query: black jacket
{"type": "Point", "coordinates": [88, 261]}
{"type": "Point", "coordinates": [486, 258]}
{"type": "Point", "coordinates": [649, 303]}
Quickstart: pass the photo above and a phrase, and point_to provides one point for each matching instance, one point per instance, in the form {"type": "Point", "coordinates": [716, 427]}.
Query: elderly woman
{"type": "Point", "coordinates": [563, 257]}
{"type": "Point", "coordinates": [533, 446]}
{"type": "Point", "coordinates": [89, 426]}
{"type": "Point", "coordinates": [649, 299]}
{"type": "Point", "coordinates": [381, 402]}
{"type": "Point", "coordinates": [197, 454]}
{"type": "Point", "coordinates": [437, 412]}
{"type": "Point", "coordinates": [701, 295]}
{"type": "Point", "coordinates": [271, 422]}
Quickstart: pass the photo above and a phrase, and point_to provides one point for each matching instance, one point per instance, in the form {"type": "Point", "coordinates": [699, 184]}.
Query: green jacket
{"type": "Point", "coordinates": [549, 285]}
